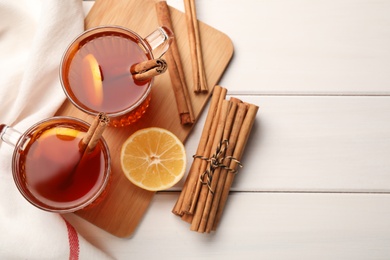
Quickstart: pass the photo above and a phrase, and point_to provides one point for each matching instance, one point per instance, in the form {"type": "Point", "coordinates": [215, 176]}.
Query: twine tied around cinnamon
{"type": "Point", "coordinates": [216, 161]}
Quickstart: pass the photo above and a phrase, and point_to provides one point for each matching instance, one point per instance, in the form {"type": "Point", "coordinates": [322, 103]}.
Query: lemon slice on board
{"type": "Point", "coordinates": [153, 159]}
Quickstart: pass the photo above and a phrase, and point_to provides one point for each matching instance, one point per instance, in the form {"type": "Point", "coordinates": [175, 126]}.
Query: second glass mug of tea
{"type": "Point", "coordinates": [95, 71]}
{"type": "Point", "coordinates": [50, 170]}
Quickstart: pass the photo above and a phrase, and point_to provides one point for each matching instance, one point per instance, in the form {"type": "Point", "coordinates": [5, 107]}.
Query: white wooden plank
{"type": "Point", "coordinates": [260, 226]}
{"type": "Point", "coordinates": [301, 148]}
{"type": "Point", "coordinates": [304, 46]}
{"type": "Point", "coordinates": [306, 143]}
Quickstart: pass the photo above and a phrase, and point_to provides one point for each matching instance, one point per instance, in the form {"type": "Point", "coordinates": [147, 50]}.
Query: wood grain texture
{"type": "Point", "coordinates": [125, 204]}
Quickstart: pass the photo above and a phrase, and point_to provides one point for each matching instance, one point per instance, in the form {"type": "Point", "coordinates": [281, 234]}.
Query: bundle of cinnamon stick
{"type": "Point", "coordinates": [223, 139]}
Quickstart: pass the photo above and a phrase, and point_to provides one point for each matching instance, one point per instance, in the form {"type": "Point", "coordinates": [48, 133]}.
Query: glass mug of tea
{"type": "Point", "coordinates": [95, 71]}
{"type": "Point", "coordinates": [51, 171]}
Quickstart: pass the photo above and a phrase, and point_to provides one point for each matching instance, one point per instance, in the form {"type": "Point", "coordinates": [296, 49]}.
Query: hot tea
{"type": "Point", "coordinates": [99, 73]}
{"type": "Point", "coordinates": [96, 71]}
{"type": "Point", "coordinates": [53, 172]}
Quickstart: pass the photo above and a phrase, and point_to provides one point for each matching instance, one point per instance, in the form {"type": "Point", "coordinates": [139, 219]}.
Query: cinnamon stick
{"type": "Point", "coordinates": [206, 153]}
{"type": "Point", "coordinates": [186, 196]}
{"type": "Point", "coordinates": [198, 71]}
{"type": "Point", "coordinates": [208, 183]}
{"type": "Point", "coordinates": [225, 129]}
{"type": "Point", "coordinates": [87, 137]}
{"type": "Point", "coordinates": [238, 119]}
{"type": "Point", "coordinates": [177, 209]}
{"type": "Point", "coordinates": [216, 140]}
{"type": "Point", "coordinates": [238, 151]}
{"type": "Point", "coordinates": [187, 218]}
{"type": "Point", "coordinates": [176, 72]}
{"type": "Point", "coordinates": [94, 132]}
{"type": "Point", "coordinates": [148, 69]}
{"type": "Point", "coordinates": [97, 134]}
{"type": "Point", "coordinates": [213, 193]}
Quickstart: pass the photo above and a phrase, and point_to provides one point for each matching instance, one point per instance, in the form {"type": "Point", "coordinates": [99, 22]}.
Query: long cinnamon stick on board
{"type": "Point", "coordinates": [198, 71]}
{"type": "Point", "coordinates": [175, 69]}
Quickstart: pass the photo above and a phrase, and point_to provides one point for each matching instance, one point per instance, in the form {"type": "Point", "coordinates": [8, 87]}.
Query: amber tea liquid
{"type": "Point", "coordinates": [51, 169]}
{"type": "Point", "coordinates": [114, 53]}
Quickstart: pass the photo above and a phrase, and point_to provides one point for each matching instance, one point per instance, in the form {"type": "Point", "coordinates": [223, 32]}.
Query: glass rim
{"type": "Point", "coordinates": [66, 209]}
{"type": "Point", "coordinates": [87, 33]}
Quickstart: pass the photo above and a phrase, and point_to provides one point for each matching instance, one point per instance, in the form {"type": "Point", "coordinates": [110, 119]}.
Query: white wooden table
{"type": "Point", "coordinates": [316, 176]}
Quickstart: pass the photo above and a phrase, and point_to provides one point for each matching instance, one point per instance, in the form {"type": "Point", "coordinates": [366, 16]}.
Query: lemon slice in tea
{"type": "Point", "coordinates": [92, 79]}
{"type": "Point", "coordinates": [62, 133]}
{"type": "Point", "coordinates": [153, 159]}
{"type": "Point", "coordinates": [54, 136]}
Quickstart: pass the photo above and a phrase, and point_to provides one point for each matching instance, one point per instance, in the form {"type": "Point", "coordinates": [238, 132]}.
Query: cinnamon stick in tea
{"type": "Point", "coordinates": [94, 133]}
{"type": "Point", "coordinates": [148, 69]}
{"type": "Point", "coordinates": [97, 134]}
{"type": "Point", "coordinates": [198, 71]}
{"type": "Point", "coordinates": [176, 72]}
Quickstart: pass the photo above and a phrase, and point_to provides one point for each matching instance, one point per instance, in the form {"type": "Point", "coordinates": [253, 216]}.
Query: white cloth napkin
{"type": "Point", "coordinates": [33, 37]}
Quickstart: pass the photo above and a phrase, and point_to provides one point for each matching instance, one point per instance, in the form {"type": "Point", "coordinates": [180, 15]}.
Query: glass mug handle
{"type": "Point", "coordinates": [159, 40]}
{"type": "Point", "coordinates": [9, 135]}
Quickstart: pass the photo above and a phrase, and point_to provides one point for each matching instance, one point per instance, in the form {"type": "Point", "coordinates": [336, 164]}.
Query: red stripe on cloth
{"type": "Point", "coordinates": [74, 248]}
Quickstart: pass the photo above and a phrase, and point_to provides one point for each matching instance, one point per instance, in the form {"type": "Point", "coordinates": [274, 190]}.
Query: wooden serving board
{"type": "Point", "coordinates": [123, 207]}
